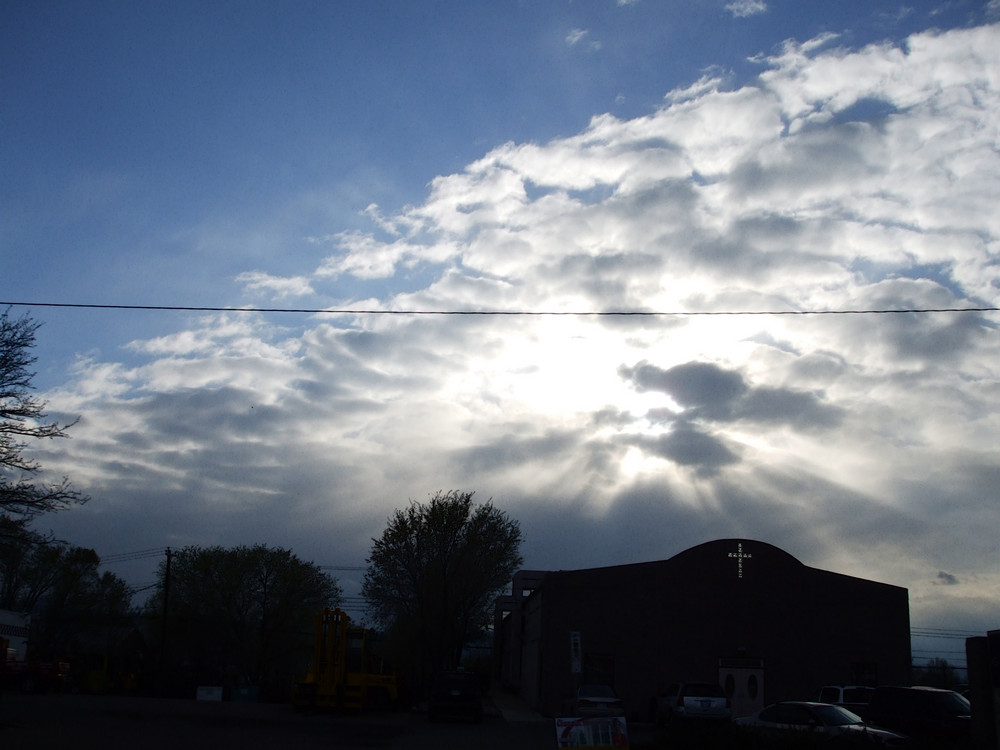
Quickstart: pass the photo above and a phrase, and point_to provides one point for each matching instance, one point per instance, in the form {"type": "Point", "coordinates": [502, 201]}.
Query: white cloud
{"type": "Point", "coordinates": [839, 180]}
{"type": "Point", "coordinates": [746, 8]}
{"type": "Point", "coordinates": [277, 287]}
{"type": "Point", "coordinates": [580, 37]}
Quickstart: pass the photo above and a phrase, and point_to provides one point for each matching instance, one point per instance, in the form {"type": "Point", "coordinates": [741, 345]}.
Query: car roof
{"type": "Point", "coordinates": [849, 687]}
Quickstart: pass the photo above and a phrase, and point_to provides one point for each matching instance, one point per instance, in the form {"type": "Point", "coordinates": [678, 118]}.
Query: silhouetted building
{"type": "Point", "coordinates": [737, 611]}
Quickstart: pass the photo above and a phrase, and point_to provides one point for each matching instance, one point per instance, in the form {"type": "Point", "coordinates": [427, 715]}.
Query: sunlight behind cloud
{"type": "Point", "coordinates": [838, 180]}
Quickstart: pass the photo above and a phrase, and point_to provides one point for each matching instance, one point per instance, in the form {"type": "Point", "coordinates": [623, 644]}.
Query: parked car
{"type": "Point", "coordinates": [597, 700]}
{"type": "Point", "coordinates": [789, 717]}
{"type": "Point", "coordinates": [693, 701]}
{"type": "Point", "coordinates": [925, 712]}
{"type": "Point", "coordinates": [854, 698]}
{"type": "Point", "coordinates": [455, 695]}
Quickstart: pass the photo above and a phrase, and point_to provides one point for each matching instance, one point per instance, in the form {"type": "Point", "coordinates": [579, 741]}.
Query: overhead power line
{"type": "Point", "coordinates": [943, 633]}
{"type": "Point", "coordinates": [129, 556]}
{"type": "Point", "coordinates": [529, 313]}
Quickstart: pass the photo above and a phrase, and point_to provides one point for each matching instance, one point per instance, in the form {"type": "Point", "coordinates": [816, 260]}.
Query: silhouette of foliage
{"type": "Point", "coordinates": [435, 572]}
{"type": "Point", "coordinates": [22, 421]}
{"type": "Point", "coordinates": [241, 616]}
{"type": "Point", "coordinates": [73, 606]}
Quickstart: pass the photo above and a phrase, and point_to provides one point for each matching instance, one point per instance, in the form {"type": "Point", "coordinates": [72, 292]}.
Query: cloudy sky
{"type": "Point", "coordinates": [398, 163]}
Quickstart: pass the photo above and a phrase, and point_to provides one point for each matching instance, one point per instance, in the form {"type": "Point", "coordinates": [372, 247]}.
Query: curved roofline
{"type": "Point", "coordinates": [735, 544]}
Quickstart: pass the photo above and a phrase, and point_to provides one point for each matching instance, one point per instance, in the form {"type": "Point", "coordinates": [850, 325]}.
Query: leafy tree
{"type": "Point", "coordinates": [73, 606]}
{"type": "Point", "coordinates": [32, 565]}
{"type": "Point", "coordinates": [23, 419]}
{"type": "Point", "coordinates": [241, 616]}
{"type": "Point", "coordinates": [435, 572]}
{"type": "Point", "coordinates": [84, 611]}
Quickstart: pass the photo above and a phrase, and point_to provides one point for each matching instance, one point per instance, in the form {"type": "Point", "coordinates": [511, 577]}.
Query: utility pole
{"type": "Point", "coordinates": [163, 629]}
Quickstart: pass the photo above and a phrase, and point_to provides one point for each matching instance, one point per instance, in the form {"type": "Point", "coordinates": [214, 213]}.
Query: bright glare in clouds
{"type": "Point", "coordinates": [838, 178]}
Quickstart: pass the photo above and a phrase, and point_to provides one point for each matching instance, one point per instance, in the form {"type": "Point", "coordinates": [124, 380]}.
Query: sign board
{"type": "Point", "coordinates": [575, 653]}
{"type": "Point", "coordinates": [592, 733]}
{"type": "Point", "coordinates": [14, 626]}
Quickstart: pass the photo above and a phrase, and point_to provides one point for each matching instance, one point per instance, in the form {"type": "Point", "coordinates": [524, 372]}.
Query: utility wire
{"type": "Point", "coordinates": [129, 556]}
{"type": "Point", "coordinates": [538, 313]}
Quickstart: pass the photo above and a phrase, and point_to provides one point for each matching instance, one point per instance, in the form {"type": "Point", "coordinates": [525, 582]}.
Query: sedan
{"type": "Point", "coordinates": [818, 718]}
{"type": "Point", "coordinates": [598, 700]}
{"type": "Point", "coordinates": [692, 701]}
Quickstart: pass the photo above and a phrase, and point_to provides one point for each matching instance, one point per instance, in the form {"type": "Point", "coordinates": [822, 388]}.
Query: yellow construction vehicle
{"type": "Point", "coordinates": [346, 672]}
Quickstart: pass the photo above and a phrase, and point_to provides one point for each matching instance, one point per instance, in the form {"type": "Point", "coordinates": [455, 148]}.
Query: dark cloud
{"type": "Point", "coordinates": [648, 520]}
{"type": "Point", "coordinates": [946, 579]}
{"type": "Point", "coordinates": [913, 338]}
{"type": "Point", "coordinates": [710, 392]}
{"type": "Point", "coordinates": [799, 409]}
{"type": "Point", "coordinates": [671, 198]}
{"type": "Point", "coordinates": [695, 384]}
{"type": "Point", "coordinates": [512, 450]}
{"type": "Point", "coordinates": [608, 276]}
{"type": "Point", "coordinates": [823, 366]}
{"type": "Point", "coordinates": [812, 160]}
{"type": "Point", "coordinates": [610, 416]}
{"type": "Point", "coordinates": [688, 446]}
{"type": "Point", "coordinates": [653, 519]}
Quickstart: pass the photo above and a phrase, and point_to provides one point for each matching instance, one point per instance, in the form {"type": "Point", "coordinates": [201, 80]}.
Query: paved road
{"type": "Point", "coordinates": [82, 722]}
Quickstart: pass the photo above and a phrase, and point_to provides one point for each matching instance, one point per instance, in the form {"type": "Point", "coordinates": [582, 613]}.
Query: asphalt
{"type": "Point", "coordinates": [87, 722]}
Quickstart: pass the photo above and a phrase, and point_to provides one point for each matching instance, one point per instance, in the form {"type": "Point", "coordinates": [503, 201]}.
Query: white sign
{"type": "Point", "coordinates": [575, 653]}
{"type": "Point", "coordinates": [599, 734]}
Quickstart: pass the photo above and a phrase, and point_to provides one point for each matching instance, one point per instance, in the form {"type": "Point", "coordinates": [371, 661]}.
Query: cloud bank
{"type": "Point", "coordinates": [866, 444]}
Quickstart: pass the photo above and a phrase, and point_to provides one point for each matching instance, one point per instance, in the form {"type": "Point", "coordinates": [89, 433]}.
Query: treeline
{"type": "Point", "coordinates": [235, 617]}
{"type": "Point", "coordinates": [240, 616]}
{"type": "Point", "coordinates": [75, 608]}
{"type": "Point", "coordinates": [243, 617]}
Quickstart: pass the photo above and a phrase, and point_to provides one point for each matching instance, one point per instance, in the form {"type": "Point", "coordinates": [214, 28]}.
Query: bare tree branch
{"type": "Point", "coordinates": [22, 423]}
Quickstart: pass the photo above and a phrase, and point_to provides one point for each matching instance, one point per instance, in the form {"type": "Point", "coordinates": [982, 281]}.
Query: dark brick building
{"type": "Point", "coordinates": [737, 611]}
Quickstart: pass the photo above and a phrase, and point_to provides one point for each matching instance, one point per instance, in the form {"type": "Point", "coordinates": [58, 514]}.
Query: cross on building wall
{"type": "Point", "coordinates": [739, 555]}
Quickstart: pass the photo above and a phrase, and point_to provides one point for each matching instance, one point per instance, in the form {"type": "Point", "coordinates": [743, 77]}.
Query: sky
{"type": "Point", "coordinates": [745, 176]}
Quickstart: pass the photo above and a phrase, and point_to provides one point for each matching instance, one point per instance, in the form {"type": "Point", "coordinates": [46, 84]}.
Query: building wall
{"type": "Point", "coordinates": [643, 626]}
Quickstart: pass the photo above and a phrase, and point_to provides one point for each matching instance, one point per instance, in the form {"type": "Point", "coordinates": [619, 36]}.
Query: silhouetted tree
{"type": "Point", "coordinates": [241, 616]}
{"type": "Point", "coordinates": [435, 572]}
{"type": "Point", "coordinates": [73, 606]}
{"type": "Point", "coordinates": [85, 611]}
{"type": "Point", "coordinates": [937, 672]}
{"type": "Point", "coordinates": [23, 420]}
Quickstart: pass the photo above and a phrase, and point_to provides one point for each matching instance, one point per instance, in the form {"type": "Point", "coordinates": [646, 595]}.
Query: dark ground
{"type": "Point", "coordinates": [81, 722]}
{"type": "Point", "coordinates": [67, 721]}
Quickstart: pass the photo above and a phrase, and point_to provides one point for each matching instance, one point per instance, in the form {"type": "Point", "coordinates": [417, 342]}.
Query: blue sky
{"type": "Point", "coordinates": [688, 157]}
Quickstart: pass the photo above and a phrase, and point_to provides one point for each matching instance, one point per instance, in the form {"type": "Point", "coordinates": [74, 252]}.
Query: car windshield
{"type": "Point", "coordinates": [704, 690]}
{"type": "Point", "coordinates": [835, 716]}
{"type": "Point", "coordinates": [956, 703]}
